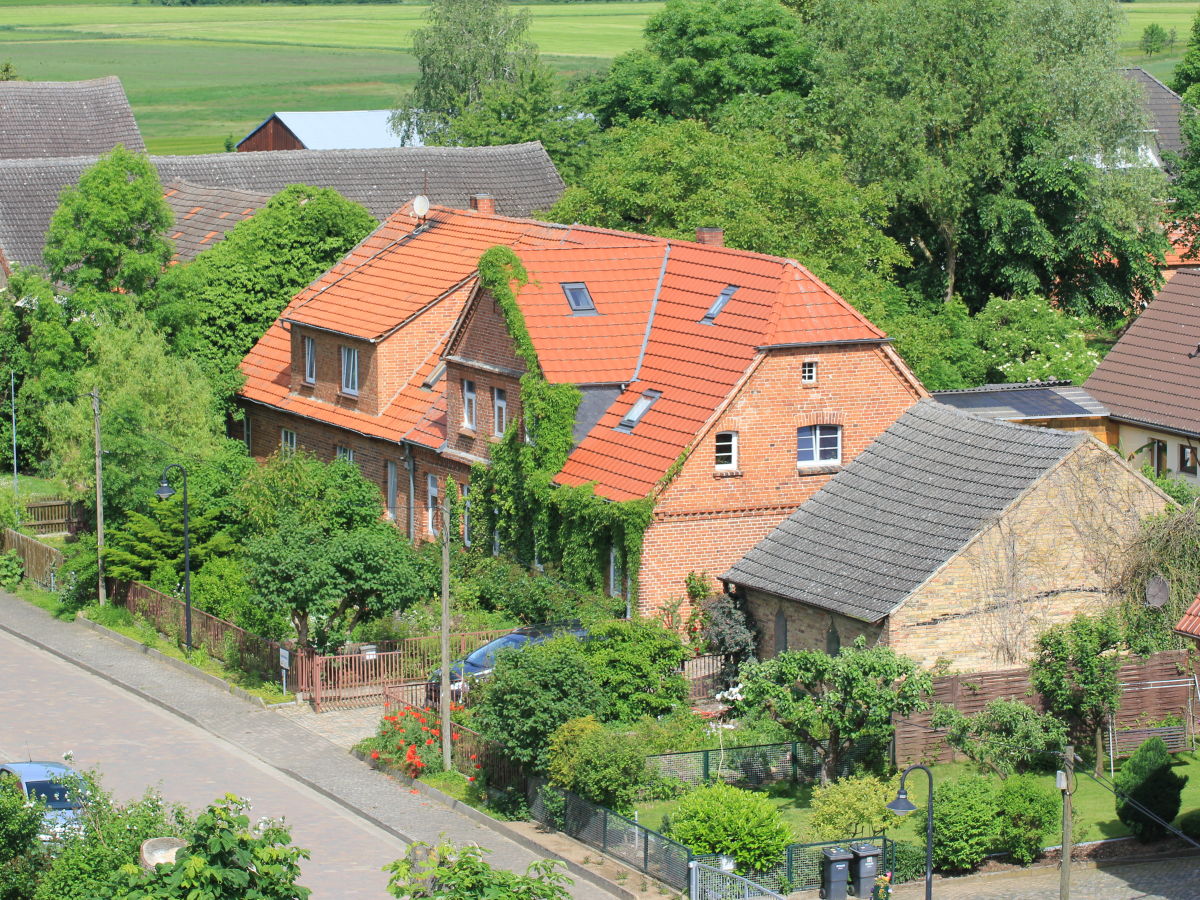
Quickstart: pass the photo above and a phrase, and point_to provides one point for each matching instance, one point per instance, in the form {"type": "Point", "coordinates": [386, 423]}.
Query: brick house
{"type": "Point", "coordinates": [953, 537]}
{"type": "Point", "coordinates": [726, 386]}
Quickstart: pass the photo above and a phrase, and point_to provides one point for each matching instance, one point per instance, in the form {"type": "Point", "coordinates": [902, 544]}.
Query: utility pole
{"type": "Point", "coordinates": [445, 692]}
{"type": "Point", "coordinates": [100, 592]}
{"type": "Point", "coordinates": [1065, 777]}
{"type": "Point", "coordinates": [12, 395]}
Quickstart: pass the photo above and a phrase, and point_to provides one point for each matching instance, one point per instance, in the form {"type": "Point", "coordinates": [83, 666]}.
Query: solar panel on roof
{"type": "Point", "coordinates": [1032, 404]}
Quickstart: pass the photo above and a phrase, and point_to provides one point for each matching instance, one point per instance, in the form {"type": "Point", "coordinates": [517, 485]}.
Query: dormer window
{"type": "Point", "coordinates": [718, 305]}
{"type": "Point", "coordinates": [579, 298]}
{"type": "Point", "coordinates": [310, 360]}
{"type": "Point", "coordinates": [643, 403]}
{"type": "Point", "coordinates": [349, 370]}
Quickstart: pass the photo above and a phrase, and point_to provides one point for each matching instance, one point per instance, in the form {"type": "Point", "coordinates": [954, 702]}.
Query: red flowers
{"type": "Point", "coordinates": [408, 739]}
{"type": "Point", "coordinates": [374, 754]}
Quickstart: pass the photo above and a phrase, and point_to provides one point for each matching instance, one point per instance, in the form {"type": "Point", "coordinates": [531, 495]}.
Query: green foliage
{"type": "Point", "coordinates": [965, 824]}
{"type": "Point", "coordinates": [78, 576]}
{"type": "Point", "coordinates": [531, 693]}
{"type": "Point", "coordinates": [1189, 824]}
{"type": "Point", "coordinates": [908, 861]}
{"type": "Point", "coordinates": [852, 808]}
{"type": "Point", "coordinates": [725, 629]}
{"type": "Point", "coordinates": [333, 496]}
{"type": "Point", "coordinates": [1029, 339]}
{"type": "Point", "coordinates": [225, 859]}
{"type": "Point", "coordinates": [11, 570]}
{"type": "Point", "coordinates": [221, 589]}
{"type": "Point", "coordinates": [1178, 489]}
{"type": "Point", "coordinates": [447, 872]}
{"type": "Point", "coordinates": [1187, 70]}
{"type": "Point", "coordinates": [134, 549]}
{"type": "Point", "coordinates": [720, 818]}
{"type": "Point", "coordinates": [108, 233]}
{"type": "Point", "coordinates": [22, 856]}
{"type": "Point", "coordinates": [940, 344]}
{"type": "Point", "coordinates": [637, 665]}
{"type": "Point", "coordinates": [1154, 39]}
{"type": "Point", "coordinates": [597, 764]}
{"type": "Point", "coordinates": [8, 71]}
{"type": "Point", "coordinates": [465, 46]}
{"type": "Point", "coordinates": [699, 56]}
{"type": "Point", "coordinates": [1029, 810]}
{"type": "Point", "coordinates": [1007, 736]}
{"type": "Point", "coordinates": [1168, 545]}
{"type": "Point", "coordinates": [677, 731]}
{"type": "Point", "coordinates": [1146, 779]}
{"type": "Point", "coordinates": [832, 704]}
{"type": "Point", "coordinates": [496, 584]}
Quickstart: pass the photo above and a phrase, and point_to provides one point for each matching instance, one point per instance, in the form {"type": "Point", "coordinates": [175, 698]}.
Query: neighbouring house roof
{"type": "Point", "coordinates": [203, 215]}
{"type": "Point", "coordinates": [65, 118]}
{"type": "Point", "coordinates": [904, 507]}
{"type": "Point", "coordinates": [1163, 107]}
{"type": "Point", "coordinates": [650, 294]}
{"type": "Point", "coordinates": [1025, 400]}
{"type": "Point", "coordinates": [1148, 376]}
{"type": "Point", "coordinates": [520, 177]}
{"type": "Point", "coordinates": [350, 129]}
{"type": "Point", "coordinates": [1189, 625]}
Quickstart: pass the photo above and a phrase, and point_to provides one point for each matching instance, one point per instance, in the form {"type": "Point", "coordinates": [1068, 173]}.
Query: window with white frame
{"type": "Point", "coordinates": [349, 370]}
{"type": "Point", "coordinates": [466, 497]}
{"type": "Point", "coordinates": [393, 487]}
{"type": "Point", "coordinates": [287, 440]}
{"type": "Point", "coordinates": [434, 513]}
{"type": "Point", "coordinates": [499, 411]}
{"type": "Point", "coordinates": [725, 454]}
{"type": "Point", "coordinates": [468, 403]}
{"type": "Point", "coordinates": [819, 445]}
{"type": "Point", "coordinates": [247, 435]}
{"type": "Point", "coordinates": [310, 360]}
{"type": "Point", "coordinates": [808, 372]}
{"type": "Point", "coordinates": [346, 454]}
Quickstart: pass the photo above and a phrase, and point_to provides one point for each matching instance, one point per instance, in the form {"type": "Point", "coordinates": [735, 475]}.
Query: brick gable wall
{"type": "Point", "coordinates": [327, 387]}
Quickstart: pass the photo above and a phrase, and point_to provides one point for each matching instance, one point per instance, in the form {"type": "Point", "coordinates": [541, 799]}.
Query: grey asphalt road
{"type": "Point", "coordinates": [48, 706]}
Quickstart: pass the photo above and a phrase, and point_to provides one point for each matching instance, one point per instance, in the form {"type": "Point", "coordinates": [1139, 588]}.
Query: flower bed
{"type": "Point", "coordinates": [409, 740]}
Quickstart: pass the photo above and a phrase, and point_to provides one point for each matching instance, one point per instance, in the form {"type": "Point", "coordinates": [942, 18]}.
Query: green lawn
{"type": "Point", "coordinates": [1095, 812]}
{"type": "Point", "coordinates": [197, 74]}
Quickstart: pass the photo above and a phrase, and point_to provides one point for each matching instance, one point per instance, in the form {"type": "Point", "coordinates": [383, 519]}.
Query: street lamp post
{"type": "Point", "coordinates": [902, 806]}
{"type": "Point", "coordinates": [166, 492]}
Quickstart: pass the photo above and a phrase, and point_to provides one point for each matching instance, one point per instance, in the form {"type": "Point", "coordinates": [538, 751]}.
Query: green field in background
{"type": "Point", "coordinates": [197, 74]}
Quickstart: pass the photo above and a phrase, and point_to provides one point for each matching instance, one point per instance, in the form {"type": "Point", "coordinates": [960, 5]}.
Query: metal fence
{"type": "Point", "coordinates": [755, 765]}
{"type": "Point", "coordinates": [709, 883]}
{"type": "Point", "coordinates": [799, 869]}
{"type": "Point", "coordinates": [614, 835]}
{"type": "Point", "coordinates": [39, 561]}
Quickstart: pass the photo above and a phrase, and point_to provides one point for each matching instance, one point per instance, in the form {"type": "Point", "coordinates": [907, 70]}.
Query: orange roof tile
{"type": "Point", "coordinates": [1189, 625]}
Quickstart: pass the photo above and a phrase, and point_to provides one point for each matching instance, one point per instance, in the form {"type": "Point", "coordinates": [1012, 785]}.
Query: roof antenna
{"type": "Point", "coordinates": [1195, 352]}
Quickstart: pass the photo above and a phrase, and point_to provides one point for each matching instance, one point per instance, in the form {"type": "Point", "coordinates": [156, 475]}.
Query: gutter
{"type": "Point", "coordinates": [879, 340]}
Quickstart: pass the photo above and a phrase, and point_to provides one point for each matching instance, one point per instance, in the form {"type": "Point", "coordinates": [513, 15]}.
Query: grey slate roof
{"type": "Point", "coordinates": [65, 118]}
{"type": "Point", "coordinates": [520, 176]}
{"type": "Point", "coordinates": [1025, 400]}
{"type": "Point", "coordinates": [905, 506]}
{"type": "Point", "coordinates": [204, 214]}
{"type": "Point", "coordinates": [1163, 106]}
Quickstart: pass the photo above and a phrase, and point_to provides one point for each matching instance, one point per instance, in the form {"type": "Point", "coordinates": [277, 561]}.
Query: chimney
{"type": "Point", "coordinates": [714, 237]}
{"type": "Point", "coordinates": [484, 203]}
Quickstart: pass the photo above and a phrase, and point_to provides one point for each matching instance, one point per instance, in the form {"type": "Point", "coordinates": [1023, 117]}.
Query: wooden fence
{"type": "Point", "coordinates": [52, 515]}
{"type": "Point", "coordinates": [1152, 689]}
{"type": "Point", "coordinates": [40, 561]}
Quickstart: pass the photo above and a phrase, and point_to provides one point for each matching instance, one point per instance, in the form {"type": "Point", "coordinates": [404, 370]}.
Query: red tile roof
{"type": "Point", "coordinates": [651, 295]}
{"type": "Point", "coordinates": [1189, 625]}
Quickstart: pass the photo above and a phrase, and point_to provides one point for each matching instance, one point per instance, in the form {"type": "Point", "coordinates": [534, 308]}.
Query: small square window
{"type": "Point", "coordinates": [310, 360]}
{"type": "Point", "coordinates": [468, 403]}
{"type": "Point", "coordinates": [726, 452]}
{"type": "Point", "coordinates": [349, 370]}
{"type": "Point", "coordinates": [344, 453]}
{"type": "Point", "coordinates": [579, 298]}
{"type": "Point", "coordinates": [287, 440]}
{"type": "Point", "coordinates": [1187, 459]}
{"type": "Point", "coordinates": [499, 411]}
{"type": "Point", "coordinates": [819, 445]}
{"type": "Point", "coordinates": [808, 372]}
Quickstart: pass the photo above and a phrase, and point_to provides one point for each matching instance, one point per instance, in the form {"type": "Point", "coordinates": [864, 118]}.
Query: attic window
{"type": "Point", "coordinates": [638, 410]}
{"type": "Point", "coordinates": [579, 298]}
{"type": "Point", "coordinates": [718, 305]}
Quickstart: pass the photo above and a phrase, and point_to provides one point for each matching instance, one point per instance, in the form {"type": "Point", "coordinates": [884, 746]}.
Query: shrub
{"type": "Point", "coordinates": [732, 822]}
{"type": "Point", "coordinates": [78, 576]}
{"type": "Point", "coordinates": [1189, 824]}
{"type": "Point", "coordinates": [1006, 735]}
{"type": "Point", "coordinates": [678, 731]}
{"type": "Point", "coordinates": [1028, 811]}
{"type": "Point", "coordinates": [851, 808]}
{"type": "Point", "coordinates": [447, 871]}
{"type": "Point", "coordinates": [531, 693]}
{"type": "Point", "coordinates": [1146, 778]}
{"type": "Point", "coordinates": [908, 861]}
{"type": "Point", "coordinates": [602, 766]}
{"type": "Point", "coordinates": [410, 740]}
{"type": "Point", "coordinates": [636, 664]}
{"type": "Point", "coordinates": [22, 855]}
{"type": "Point", "coordinates": [11, 570]}
{"type": "Point", "coordinates": [964, 823]}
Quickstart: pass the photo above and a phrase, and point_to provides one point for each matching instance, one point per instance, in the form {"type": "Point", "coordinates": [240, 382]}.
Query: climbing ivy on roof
{"type": "Point", "coordinates": [570, 528]}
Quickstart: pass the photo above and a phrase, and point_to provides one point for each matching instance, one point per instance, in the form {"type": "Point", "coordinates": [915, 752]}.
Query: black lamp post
{"type": "Point", "coordinates": [166, 492]}
{"type": "Point", "coordinates": [902, 806]}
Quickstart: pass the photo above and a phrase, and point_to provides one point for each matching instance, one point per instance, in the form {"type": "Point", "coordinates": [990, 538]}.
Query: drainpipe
{"type": "Point", "coordinates": [410, 464]}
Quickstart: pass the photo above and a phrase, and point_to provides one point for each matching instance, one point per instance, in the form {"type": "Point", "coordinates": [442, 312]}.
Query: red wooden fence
{"type": "Point", "coordinates": [39, 561]}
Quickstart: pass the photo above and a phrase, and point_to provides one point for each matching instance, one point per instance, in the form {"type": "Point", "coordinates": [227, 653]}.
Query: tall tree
{"type": "Point", "coordinates": [464, 46]}
{"type": "Point", "coordinates": [1187, 71]}
{"type": "Point", "coordinates": [109, 232]}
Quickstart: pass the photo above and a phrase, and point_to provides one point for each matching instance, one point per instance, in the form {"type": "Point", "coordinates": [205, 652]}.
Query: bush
{"type": "Point", "coordinates": [78, 576]}
{"type": "Point", "coordinates": [1029, 810]}
{"type": "Point", "coordinates": [637, 665]}
{"type": "Point", "coordinates": [1189, 824]}
{"type": "Point", "coordinates": [1147, 779]}
{"type": "Point", "coordinates": [1006, 735]}
{"type": "Point", "coordinates": [410, 740]}
{"type": "Point", "coordinates": [677, 732]}
{"type": "Point", "coordinates": [531, 693]}
{"type": "Point", "coordinates": [11, 570]}
{"type": "Point", "coordinates": [964, 823]}
{"type": "Point", "coordinates": [22, 855]}
{"type": "Point", "coordinates": [851, 808]}
{"type": "Point", "coordinates": [602, 766]}
{"type": "Point", "coordinates": [908, 861]}
{"type": "Point", "coordinates": [732, 822]}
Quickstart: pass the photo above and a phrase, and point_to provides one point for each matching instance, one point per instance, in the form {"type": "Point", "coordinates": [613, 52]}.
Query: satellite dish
{"type": "Point", "coordinates": [1158, 592]}
{"type": "Point", "coordinates": [420, 206]}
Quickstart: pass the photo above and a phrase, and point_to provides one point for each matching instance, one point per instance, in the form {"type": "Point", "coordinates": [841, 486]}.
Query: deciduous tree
{"type": "Point", "coordinates": [1007, 736]}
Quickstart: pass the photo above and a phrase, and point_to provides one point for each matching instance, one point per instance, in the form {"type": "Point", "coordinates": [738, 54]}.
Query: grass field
{"type": "Point", "coordinates": [197, 74]}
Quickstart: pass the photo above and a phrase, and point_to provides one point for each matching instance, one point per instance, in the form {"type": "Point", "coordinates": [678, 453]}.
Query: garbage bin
{"type": "Point", "coordinates": [864, 868]}
{"type": "Point", "coordinates": [835, 869]}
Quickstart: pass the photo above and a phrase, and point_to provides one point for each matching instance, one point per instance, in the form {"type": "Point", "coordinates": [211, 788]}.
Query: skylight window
{"type": "Point", "coordinates": [579, 298]}
{"type": "Point", "coordinates": [718, 305]}
{"type": "Point", "coordinates": [638, 410]}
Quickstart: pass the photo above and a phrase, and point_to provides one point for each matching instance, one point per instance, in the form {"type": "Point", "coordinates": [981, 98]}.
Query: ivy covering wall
{"type": "Point", "coordinates": [568, 528]}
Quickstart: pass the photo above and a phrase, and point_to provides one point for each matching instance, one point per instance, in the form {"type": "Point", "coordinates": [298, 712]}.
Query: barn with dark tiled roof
{"type": "Point", "coordinates": [65, 118]}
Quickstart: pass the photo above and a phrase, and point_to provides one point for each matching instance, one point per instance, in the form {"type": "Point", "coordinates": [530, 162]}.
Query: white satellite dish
{"type": "Point", "coordinates": [420, 206]}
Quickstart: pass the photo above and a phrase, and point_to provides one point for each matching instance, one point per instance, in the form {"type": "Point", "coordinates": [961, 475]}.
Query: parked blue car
{"type": "Point", "coordinates": [52, 783]}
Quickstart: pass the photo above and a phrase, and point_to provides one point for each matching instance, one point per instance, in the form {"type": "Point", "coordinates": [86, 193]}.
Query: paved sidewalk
{"type": "Point", "coordinates": [272, 738]}
{"type": "Point", "coordinates": [341, 727]}
{"type": "Point", "coordinates": [1165, 879]}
